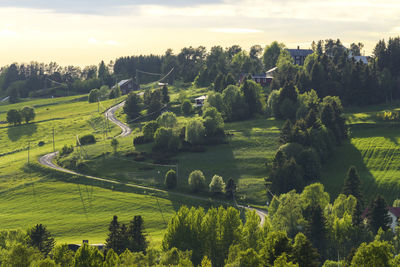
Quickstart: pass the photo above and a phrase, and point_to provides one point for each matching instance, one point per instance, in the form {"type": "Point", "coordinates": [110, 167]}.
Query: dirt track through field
{"type": "Point", "coordinates": [48, 161]}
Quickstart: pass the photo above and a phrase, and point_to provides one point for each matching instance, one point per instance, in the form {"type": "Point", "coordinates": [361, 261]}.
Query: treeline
{"type": "Point", "coordinates": [334, 70]}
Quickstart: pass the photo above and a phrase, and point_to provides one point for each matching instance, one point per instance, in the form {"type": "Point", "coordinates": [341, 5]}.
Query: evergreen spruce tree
{"type": "Point", "coordinates": [40, 237]}
{"type": "Point", "coordinates": [286, 133]}
{"type": "Point", "coordinates": [378, 215]}
{"type": "Point", "coordinates": [230, 188]}
{"type": "Point", "coordinates": [317, 230]}
{"type": "Point", "coordinates": [165, 95]}
{"type": "Point", "coordinates": [137, 237]}
{"type": "Point", "coordinates": [356, 217]}
{"type": "Point", "coordinates": [114, 239]}
{"type": "Point", "coordinates": [352, 185]}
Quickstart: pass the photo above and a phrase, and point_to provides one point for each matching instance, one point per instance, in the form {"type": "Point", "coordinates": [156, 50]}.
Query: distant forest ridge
{"type": "Point", "coordinates": [329, 69]}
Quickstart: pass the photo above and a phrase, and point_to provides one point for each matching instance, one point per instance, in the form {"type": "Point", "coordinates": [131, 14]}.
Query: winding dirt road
{"type": "Point", "coordinates": [48, 161]}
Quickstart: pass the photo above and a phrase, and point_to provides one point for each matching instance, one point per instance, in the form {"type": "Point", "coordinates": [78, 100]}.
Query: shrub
{"type": "Point", "coordinates": [171, 179]}
{"type": "Point", "coordinates": [149, 129]}
{"type": "Point", "coordinates": [195, 132]}
{"type": "Point", "coordinates": [66, 149]}
{"type": "Point", "coordinates": [217, 185]}
{"type": "Point", "coordinates": [186, 107]}
{"type": "Point", "coordinates": [87, 139]}
{"type": "Point", "coordinates": [41, 143]}
{"type": "Point", "coordinates": [197, 181]}
{"type": "Point", "coordinates": [114, 144]}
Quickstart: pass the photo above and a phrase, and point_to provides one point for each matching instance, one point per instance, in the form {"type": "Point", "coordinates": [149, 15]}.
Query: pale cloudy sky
{"type": "Point", "coordinates": [83, 32]}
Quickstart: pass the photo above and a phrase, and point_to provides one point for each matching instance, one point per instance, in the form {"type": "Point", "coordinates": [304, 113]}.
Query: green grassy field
{"type": "Point", "coordinates": [72, 211]}
{"type": "Point", "coordinates": [374, 149]}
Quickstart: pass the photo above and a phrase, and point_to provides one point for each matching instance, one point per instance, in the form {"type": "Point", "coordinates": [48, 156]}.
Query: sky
{"type": "Point", "coordinates": [84, 32]}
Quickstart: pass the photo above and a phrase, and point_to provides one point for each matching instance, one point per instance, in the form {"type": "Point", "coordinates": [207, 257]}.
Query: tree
{"type": "Point", "coordinates": [253, 97]}
{"type": "Point", "coordinates": [87, 256]}
{"type": "Point", "coordinates": [376, 253]}
{"type": "Point", "coordinates": [230, 188]}
{"type": "Point", "coordinates": [132, 106]}
{"type": "Point", "coordinates": [40, 237]}
{"type": "Point", "coordinates": [167, 120]}
{"type": "Point", "coordinates": [21, 255]}
{"type": "Point", "coordinates": [165, 96]}
{"type": "Point", "coordinates": [136, 235]}
{"type": "Point", "coordinates": [111, 259]}
{"type": "Point", "coordinates": [115, 236]}
{"type": "Point", "coordinates": [195, 132]}
{"type": "Point", "coordinates": [94, 95]}
{"type": "Point", "coordinates": [165, 140]}
{"type": "Point", "coordinates": [197, 181]}
{"type": "Point", "coordinates": [114, 144]}
{"type": "Point", "coordinates": [276, 244]}
{"type": "Point", "coordinates": [217, 185]}
{"type": "Point", "coordinates": [63, 256]}
{"type": "Point", "coordinates": [378, 215]}
{"type": "Point", "coordinates": [286, 132]}
{"type": "Point", "coordinates": [186, 107]}
{"type": "Point", "coordinates": [213, 122]}
{"type": "Point", "coordinates": [149, 129]}
{"type": "Point", "coordinates": [155, 102]}
{"type": "Point", "coordinates": [317, 231]}
{"type": "Point", "coordinates": [271, 54]}
{"type": "Point", "coordinates": [352, 184]}
{"type": "Point", "coordinates": [14, 117]}
{"type": "Point", "coordinates": [28, 114]}
{"type": "Point", "coordinates": [304, 253]}
{"type": "Point", "coordinates": [252, 232]}
{"type": "Point", "coordinates": [171, 179]}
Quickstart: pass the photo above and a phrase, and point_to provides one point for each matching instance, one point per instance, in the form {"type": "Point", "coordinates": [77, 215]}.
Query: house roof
{"type": "Point", "coordinates": [300, 52]}
{"type": "Point", "coordinates": [259, 76]}
{"type": "Point", "coordinates": [394, 210]}
{"type": "Point", "coordinates": [122, 82]}
{"type": "Point", "coordinates": [203, 97]}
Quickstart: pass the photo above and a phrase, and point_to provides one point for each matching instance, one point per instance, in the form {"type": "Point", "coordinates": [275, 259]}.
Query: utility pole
{"type": "Point", "coordinates": [29, 146]}
{"type": "Point", "coordinates": [54, 146]}
{"type": "Point", "coordinates": [137, 77]}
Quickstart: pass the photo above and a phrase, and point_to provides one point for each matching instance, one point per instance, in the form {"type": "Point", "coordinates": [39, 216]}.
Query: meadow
{"type": "Point", "coordinates": [373, 147]}
{"type": "Point", "coordinates": [72, 211]}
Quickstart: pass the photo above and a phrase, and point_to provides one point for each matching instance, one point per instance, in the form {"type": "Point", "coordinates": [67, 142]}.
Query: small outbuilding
{"type": "Point", "coordinates": [199, 101]}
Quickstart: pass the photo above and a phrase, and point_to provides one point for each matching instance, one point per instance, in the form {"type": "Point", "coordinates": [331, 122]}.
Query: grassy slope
{"type": "Point", "coordinates": [373, 149]}
{"type": "Point", "coordinates": [243, 159]}
{"type": "Point", "coordinates": [72, 212]}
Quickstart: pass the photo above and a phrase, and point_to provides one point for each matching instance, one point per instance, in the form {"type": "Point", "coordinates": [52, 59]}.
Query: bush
{"type": "Point", "coordinates": [171, 179]}
{"type": "Point", "coordinates": [273, 104]}
{"type": "Point", "coordinates": [87, 139]}
{"type": "Point", "coordinates": [41, 143]}
{"type": "Point", "coordinates": [217, 185]}
{"type": "Point", "coordinates": [66, 149]}
{"type": "Point", "coordinates": [187, 107]}
{"type": "Point", "coordinates": [149, 129]}
{"type": "Point", "coordinates": [197, 181]}
{"type": "Point", "coordinates": [195, 132]}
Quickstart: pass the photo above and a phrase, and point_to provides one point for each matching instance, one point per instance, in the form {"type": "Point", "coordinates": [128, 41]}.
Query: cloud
{"type": "Point", "coordinates": [112, 42]}
{"type": "Point", "coordinates": [235, 30]}
{"type": "Point", "coordinates": [93, 41]}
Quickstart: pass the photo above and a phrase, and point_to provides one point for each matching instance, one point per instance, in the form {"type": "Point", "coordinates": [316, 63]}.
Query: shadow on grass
{"type": "Point", "coordinates": [335, 170]}
{"type": "Point", "coordinates": [16, 132]}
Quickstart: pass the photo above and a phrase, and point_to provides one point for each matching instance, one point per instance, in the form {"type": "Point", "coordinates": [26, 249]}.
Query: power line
{"type": "Point", "coordinates": [150, 73]}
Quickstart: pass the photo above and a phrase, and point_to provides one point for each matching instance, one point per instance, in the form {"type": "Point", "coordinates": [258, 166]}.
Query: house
{"type": "Point", "coordinates": [128, 86]}
{"type": "Point", "coordinates": [299, 55]}
{"type": "Point", "coordinates": [263, 79]}
{"type": "Point", "coordinates": [199, 101]}
{"type": "Point", "coordinates": [394, 213]}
